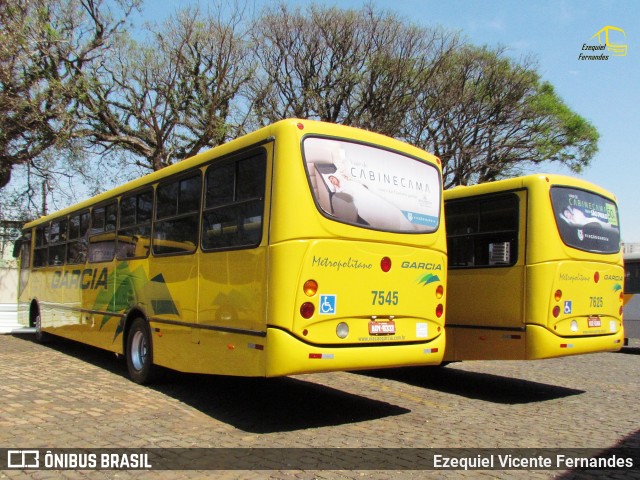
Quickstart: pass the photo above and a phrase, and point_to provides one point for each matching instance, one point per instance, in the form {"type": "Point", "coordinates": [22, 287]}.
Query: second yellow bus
{"type": "Point", "coordinates": [535, 269]}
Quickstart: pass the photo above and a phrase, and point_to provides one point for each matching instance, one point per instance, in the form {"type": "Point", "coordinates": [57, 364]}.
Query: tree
{"type": "Point", "coordinates": [71, 77]}
{"type": "Point", "coordinates": [58, 178]}
{"type": "Point", "coordinates": [487, 116]}
{"type": "Point", "coordinates": [361, 68]}
{"type": "Point", "coordinates": [45, 49]}
{"type": "Point", "coordinates": [167, 97]}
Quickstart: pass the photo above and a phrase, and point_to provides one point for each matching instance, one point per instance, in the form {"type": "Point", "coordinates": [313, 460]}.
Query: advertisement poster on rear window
{"type": "Point", "coordinates": [371, 187]}
{"type": "Point", "coordinates": [586, 221]}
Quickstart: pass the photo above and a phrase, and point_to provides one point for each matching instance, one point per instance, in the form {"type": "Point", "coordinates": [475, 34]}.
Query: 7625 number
{"type": "Point", "coordinates": [596, 302]}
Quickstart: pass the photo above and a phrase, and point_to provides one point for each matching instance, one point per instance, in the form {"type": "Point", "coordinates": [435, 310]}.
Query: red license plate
{"type": "Point", "coordinates": [594, 322]}
{"type": "Point", "coordinates": [382, 328]}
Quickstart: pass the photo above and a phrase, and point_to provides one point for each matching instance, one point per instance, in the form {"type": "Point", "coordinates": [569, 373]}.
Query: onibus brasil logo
{"type": "Point", "coordinates": [608, 38]}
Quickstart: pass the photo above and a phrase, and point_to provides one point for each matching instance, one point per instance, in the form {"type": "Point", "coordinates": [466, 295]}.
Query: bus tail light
{"type": "Point", "coordinates": [558, 295]}
{"type": "Point", "coordinates": [439, 291]}
{"type": "Point", "coordinates": [307, 309]}
{"type": "Point", "coordinates": [439, 310]}
{"type": "Point", "coordinates": [556, 311]}
{"type": "Point", "coordinates": [310, 288]}
{"type": "Point", "coordinates": [385, 264]}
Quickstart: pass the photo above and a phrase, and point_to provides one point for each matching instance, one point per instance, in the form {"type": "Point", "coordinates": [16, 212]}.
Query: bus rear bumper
{"type": "Point", "coordinates": [542, 343]}
{"type": "Point", "coordinates": [533, 343]}
{"type": "Point", "coordinates": [287, 355]}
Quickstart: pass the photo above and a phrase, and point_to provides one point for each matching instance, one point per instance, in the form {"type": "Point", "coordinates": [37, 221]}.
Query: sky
{"type": "Point", "coordinates": [606, 93]}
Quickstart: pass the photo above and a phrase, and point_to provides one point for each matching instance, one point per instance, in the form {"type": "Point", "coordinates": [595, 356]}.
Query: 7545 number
{"type": "Point", "coordinates": [384, 297]}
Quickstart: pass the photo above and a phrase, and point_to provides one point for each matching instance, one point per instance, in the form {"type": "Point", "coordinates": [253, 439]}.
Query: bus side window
{"type": "Point", "coordinates": [58, 242]}
{"type": "Point", "coordinates": [102, 238]}
{"type": "Point", "coordinates": [234, 203]}
{"type": "Point", "coordinates": [482, 232]}
{"type": "Point", "coordinates": [77, 246]}
{"type": "Point", "coordinates": [177, 216]}
{"type": "Point", "coordinates": [134, 233]}
{"type": "Point", "coordinates": [40, 251]}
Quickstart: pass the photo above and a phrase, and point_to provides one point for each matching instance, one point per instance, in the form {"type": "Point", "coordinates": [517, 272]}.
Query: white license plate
{"type": "Point", "coordinates": [382, 328]}
{"type": "Point", "coordinates": [594, 322]}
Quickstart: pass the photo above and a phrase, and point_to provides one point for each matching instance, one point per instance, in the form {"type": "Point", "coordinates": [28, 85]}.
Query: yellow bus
{"type": "Point", "coordinates": [631, 295]}
{"type": "Point", "coordinates": [535, 269]}
{"type": "Point", "coordinates": [302, 247]}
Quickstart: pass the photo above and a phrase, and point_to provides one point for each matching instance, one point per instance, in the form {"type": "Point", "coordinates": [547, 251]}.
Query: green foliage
{"type": "Point", "coordinates": [563, 135]}
{"type": "Point", "coordinates": [488, 116]}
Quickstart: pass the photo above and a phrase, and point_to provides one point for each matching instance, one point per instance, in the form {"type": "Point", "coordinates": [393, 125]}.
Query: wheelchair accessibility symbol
{"type": "Point", "coordinates": [327, 304]}
{"type": "Point", "coordinates": [568, 307]}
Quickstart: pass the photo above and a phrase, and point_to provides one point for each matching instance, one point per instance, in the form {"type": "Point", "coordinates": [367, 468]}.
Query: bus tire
{"type": "Point", "coordinates": [140, 353]}
{"type": "Point", "coordinates": [36, 322]}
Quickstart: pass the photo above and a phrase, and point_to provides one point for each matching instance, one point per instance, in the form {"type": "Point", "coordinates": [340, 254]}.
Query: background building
{"type": "Point", "coordinates": [631, 247]}
{"type": "Point", "coordinates": [9, 231]}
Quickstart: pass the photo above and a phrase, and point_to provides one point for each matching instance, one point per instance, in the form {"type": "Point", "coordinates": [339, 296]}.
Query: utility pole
{"type": "Point", "coordinates": [44, 195]}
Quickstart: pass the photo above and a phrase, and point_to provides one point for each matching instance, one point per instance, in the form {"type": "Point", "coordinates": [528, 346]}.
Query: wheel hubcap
{"type": "Point", "coordinates": [138, 350]}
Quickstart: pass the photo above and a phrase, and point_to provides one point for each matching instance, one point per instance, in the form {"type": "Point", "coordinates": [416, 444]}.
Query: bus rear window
{"type": "Point", "coordinates": [371, 187]}
{"type": "Point", "coordinates": [586, 221]}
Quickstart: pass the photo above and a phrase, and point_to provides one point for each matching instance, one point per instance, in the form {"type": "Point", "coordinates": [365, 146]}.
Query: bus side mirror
{"type": "Point", "coordinates": [17, 246]}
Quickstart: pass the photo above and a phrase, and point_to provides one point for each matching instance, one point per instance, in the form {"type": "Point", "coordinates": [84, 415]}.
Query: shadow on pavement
{"type": "Point", "coordinates": [255, 405]}
{"type": "Point", "coordinates": [95, 356]}
{"type": "Point", "coordinates": [481, 386]}
{"type": "Point", "coordinates": [285, 404]}
{"type": "Point", "coordinates": [630, 350]}
{"type": "Point", "coordinates": [626, 450]}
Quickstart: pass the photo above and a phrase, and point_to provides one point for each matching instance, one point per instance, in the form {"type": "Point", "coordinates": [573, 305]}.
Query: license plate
{"type": "Point", "coordinates": [382, 328]}
{"type": "Point", "coordinates": [594, 322]}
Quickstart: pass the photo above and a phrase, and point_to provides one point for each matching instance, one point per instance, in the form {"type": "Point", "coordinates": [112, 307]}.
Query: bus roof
{"type": "Point", "coordinates": [518, 183]}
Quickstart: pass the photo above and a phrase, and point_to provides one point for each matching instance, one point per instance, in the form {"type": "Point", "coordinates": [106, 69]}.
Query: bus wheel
{"type": "Point", "coordinates": [36, 322]}
{"type": "Point", "coordinates": [140, 353]}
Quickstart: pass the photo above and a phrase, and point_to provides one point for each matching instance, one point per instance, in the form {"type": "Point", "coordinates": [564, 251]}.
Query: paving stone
{"type": "Point", "coordinates": [66, 395]}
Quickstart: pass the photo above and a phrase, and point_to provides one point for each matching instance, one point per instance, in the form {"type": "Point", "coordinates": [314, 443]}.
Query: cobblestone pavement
{"type": "Point", "coordinates": [68, 395]}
